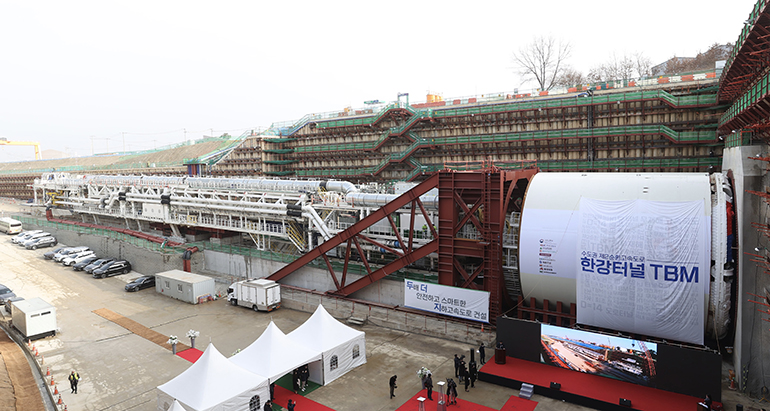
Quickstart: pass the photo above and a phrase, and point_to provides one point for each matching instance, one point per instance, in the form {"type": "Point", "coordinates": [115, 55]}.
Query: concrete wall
{"type": "Point", "coordinates": [237, 267]}
{"type": "Point", "coordinates": [386, 295]}
{"type": "Point", "coordinates": [141, 259]}
{"type": "Point", "coordinates": [752, 341]}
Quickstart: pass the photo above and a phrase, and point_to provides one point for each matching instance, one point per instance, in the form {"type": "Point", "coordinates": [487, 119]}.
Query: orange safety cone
{"type": "Point", "coordinates": [55, 389]}
{"type": "Point", "coordinates": [59, 402]}
{"type": "Point", "coordinates": [35, 352]}
{"type": "Point", "coordinates": [47, 371]}
{"type": "Point", "coordinates": [52, 380]}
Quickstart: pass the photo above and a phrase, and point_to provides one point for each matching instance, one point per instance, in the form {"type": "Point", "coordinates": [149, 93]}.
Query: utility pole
{"type": "Point", "coordinates": [124, 142]}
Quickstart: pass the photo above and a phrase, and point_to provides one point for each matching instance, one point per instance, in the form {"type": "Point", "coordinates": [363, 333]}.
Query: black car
{"type": "Point", "coordinates": [141, 283]}
{"type": "Point", "coordinates": [96, 264]}
{"type": "Point", "coordinates": [113, 268]}
{"type": "Point", "coordinates": [82, 265]}
{"type": "Point", "coordinates": [49, 255]}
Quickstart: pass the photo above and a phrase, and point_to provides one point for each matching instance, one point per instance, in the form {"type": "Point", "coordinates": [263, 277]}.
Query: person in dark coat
{"type": "Point", "coordinates": [429, 386]}
{"type": "Point", "coordinates": [463, 370]}
{"type": "Point", "coordinates": [451, 391]}
{"type": "Point", "coordinates": [473, 373]}
{"type": "Point", "coordinates": [268, 406]}
{"type": "Point", "coordinates": [482, 354]}
{"type": "Point", "coordinates": [467, 380]}
{"type": "Point", "coordinates": [304, 374]}
{"type": "Point", "coordinates": [295, 380]}
{"type": "Point", "coordinates": [290, 405]}
{"type": "Point", "coordinates": [457, 366]}
{"type": "Point", "coordinates": [392, 385]}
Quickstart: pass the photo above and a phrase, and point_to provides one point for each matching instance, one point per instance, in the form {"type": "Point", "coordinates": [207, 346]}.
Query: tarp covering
{"type": "Point", "coordinates": [343, 347]}
{"type": "Point", "coordinates": [273, 354]}
{"type": "Point", "coordinates": [643, 267]}
{"type": "Point", "coordinates": [214, 384]}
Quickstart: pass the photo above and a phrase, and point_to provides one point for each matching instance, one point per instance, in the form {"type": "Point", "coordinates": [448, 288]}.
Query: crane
{"type": "Point", "coordinates": [4, 142]}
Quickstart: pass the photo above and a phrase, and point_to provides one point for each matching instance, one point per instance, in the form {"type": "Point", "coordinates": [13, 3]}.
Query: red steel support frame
{"type": "Point", "coordinates": [481, 198]}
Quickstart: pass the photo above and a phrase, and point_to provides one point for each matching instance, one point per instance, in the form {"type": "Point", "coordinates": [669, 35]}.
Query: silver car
{"type": "Point", "coordinates": [5, 294]}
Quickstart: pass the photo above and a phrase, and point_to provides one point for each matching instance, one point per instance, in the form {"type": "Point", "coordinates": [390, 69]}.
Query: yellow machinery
{"type": "Point", "coordinates": [4, 142]}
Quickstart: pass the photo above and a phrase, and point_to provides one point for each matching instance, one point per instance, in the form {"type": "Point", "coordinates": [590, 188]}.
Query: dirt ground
{"type": "Point", "coordinates": [18, 387]}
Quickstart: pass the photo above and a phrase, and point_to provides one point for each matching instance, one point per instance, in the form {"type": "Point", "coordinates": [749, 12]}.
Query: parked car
{"type": "Point", "coordinates": [5, 294]}
{"type": "Point", "coordinates": [67, 251]}
{"type": "Point", "coordinates": [32, 238]}
{"type": "Point", "coordinates": [25, 235]}
{"type": "Point", "coordinates": [83, 264]}
{"type": "Point", "coordinates": [146, 281]}
{"type": "Point", "coordinates": [74, 258]}
{"type": "Point", "coordinates": [49, 255]}
{"type": "Point", "coordinates": [96, 264]}
{"type": "Point", "coordinates": [41, 242]}
{"type": "Point", "coordinates": [113, 268]}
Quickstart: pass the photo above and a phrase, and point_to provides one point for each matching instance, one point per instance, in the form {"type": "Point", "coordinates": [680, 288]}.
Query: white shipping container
{"type": "Point", "coordinates": [188, 287]}
{"type": "Point", "coordinates": [34, 318]}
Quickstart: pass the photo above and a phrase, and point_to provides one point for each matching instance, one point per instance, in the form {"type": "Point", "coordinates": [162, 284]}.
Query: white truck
{"type": "Point", "coordinates": [258, 294]}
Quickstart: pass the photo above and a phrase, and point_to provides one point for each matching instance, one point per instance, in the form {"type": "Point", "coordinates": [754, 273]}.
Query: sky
{"type": "Point", "coordinates": [85, 77]}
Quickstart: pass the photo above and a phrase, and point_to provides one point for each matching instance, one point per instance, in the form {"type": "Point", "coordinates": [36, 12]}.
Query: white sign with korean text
{"type": "Point", "coordinates": [644, 267]}
{"type": "Point", "coordinates": [443, 299]}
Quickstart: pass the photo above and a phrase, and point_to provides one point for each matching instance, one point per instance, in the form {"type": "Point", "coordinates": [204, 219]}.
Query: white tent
{"type": "Point", "coordinates": [273, 354]}
{"type": "Point", "coordinates": [343, 348]}
{"type": "Point", "coordinates": [176, 406]}
{"type": "Point", "coordinates": [214, 384]}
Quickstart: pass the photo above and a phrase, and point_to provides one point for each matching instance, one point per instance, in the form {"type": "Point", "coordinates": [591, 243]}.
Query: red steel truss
{"type": "Point", "coordinates": [481, 198]}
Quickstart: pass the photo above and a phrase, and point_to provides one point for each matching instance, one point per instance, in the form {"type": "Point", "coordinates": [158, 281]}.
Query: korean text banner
{"type": "Point", "coordinates": [643, 267]}
{"type": "Point", "coordinates": [443, 299]}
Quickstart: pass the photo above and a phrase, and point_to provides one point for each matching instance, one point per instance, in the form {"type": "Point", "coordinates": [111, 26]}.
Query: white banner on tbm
{"type": "Point", "coordinates": [443, 299]}
{"type": "Point", "coordinates": [643, 267]}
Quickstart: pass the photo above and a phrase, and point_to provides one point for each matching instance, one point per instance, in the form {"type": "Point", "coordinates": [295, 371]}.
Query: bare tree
{"type": "Point", "coordinates": [621, 68]}
{"type": "Point", "coordinates": [570, 77]}
{"type": "Point", "coordinates": [542, 59]}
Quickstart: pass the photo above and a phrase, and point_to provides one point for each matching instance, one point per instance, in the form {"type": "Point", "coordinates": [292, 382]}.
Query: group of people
{"type": "Point", "coordinates": [299, 378]}
{"type": "Point", "coordinates": [466, 373]}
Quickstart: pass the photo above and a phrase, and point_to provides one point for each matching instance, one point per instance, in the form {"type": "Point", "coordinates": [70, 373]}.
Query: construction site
{"type": "Point", "coordinates": [480, 193]}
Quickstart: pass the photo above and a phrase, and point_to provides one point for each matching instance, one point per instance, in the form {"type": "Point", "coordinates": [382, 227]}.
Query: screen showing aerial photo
{"type": "Point", "coordinates": [614, 357]}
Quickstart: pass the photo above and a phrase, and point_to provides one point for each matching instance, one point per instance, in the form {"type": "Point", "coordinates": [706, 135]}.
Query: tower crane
{"type": "Point", "coordinates": [4, 142]}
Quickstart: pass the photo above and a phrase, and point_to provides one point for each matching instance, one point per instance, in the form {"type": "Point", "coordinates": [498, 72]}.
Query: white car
{"type": "Point", "coordinates": [67, 251]}
{"type": "Point", "coordinates": [32, 239]}
{"type": "Point", "coordinates": [74, 258]}
{"type": "Point", "coordinates": [25, 235]}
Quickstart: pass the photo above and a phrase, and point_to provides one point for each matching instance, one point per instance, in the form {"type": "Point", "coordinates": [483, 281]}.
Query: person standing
{"type": "Point", "coordinates": [290, 405]}
{"type": "Point", "coordinates": [457, 366]}
{"type": "Point", "coordinates": [304, 374]}
{"type": "Point", "coordinates": [473, 374]}
{"type": "Point", "coordinates": [467, 380]}
{"type": "Point", "coordinates": [451, 391]}
{"type": "Point", "coordinates": [268, 406]}
{"type": "Point", "coordinates": [463, 370]}
{"type": "Point", "coordinates": [74, 378]}
{"type": "Point", "coordinates": [393, 386]}
{"type": "Point", "coordinates": [295, 380]}
{"type": "Point", "coordinates": [482, 354]}
{"type": "Point", "coordinates": [429, 386]}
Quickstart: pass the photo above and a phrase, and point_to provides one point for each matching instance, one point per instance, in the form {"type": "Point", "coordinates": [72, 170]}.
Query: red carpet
{"type": "Point", "coordinates": [191, 354]}
{"type": "Point", "coordinates": [282, 396]}
{"type": "Point", "coordinates": [519, 404]}
{"type": "Point", "coordinates": [591, 386]}
{"type": "Point", "coordinates": [462, 405]}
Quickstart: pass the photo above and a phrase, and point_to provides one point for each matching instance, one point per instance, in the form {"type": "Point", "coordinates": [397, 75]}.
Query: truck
{"type": "Point", "coordinates": [258, 294]}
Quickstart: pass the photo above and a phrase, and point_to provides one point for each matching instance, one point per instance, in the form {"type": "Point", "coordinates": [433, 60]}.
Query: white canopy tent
{"type": "Point", "coordinates": [214, 384]}
{"type": "Point", "coordinates": [176, 406]}
{"type": "Point", "coordinates": [273, 354]}
{"type": "Point", "coordinates": [343, 347]}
